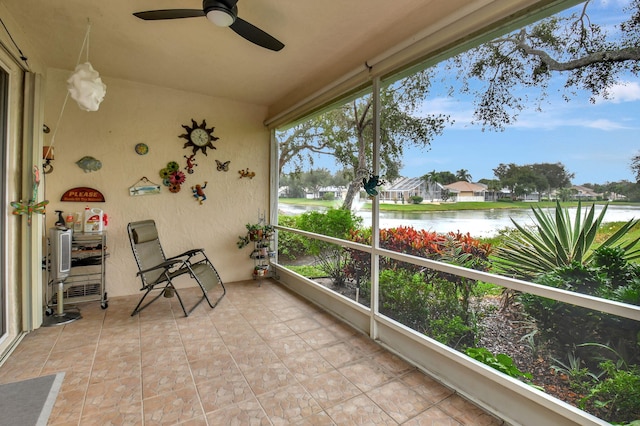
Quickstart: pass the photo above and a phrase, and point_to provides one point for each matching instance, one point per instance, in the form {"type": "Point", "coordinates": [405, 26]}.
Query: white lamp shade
{"type": "Point", "coordinates": [220, 18]}
{"type": "Point", "coordinates": [86, 87]}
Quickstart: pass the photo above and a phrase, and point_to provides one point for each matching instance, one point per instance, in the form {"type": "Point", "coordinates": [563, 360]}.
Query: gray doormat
{"type": "Point", "coordinates": [29, 402]}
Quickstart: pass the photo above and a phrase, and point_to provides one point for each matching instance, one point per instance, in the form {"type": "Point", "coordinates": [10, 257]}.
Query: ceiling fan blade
{"type": "Point", "coordinates": [255, 35]}
{"type": "Point", "coordinates": [155, 15]}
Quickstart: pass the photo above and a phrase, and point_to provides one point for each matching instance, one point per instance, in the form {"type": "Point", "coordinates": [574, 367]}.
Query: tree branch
{"type": "Point", "coordinates": [617, 55]}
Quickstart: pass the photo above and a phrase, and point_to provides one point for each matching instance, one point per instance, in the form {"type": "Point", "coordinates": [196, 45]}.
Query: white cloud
{"type": "Point", "coordinates": [602, 124]}
{"type": "Point", "coordinates": [625, 91]}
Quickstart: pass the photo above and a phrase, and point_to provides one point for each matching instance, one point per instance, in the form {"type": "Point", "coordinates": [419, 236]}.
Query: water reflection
{"type": "Point", "coordinates": [479, 223]}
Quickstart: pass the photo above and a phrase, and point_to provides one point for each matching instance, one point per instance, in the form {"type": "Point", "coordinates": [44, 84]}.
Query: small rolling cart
{"type": "Point", "coordinates": [85, 278]}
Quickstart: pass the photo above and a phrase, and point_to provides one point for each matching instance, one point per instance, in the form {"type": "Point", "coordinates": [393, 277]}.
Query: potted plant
{"type": "Point", "coordinates": [255, 232]}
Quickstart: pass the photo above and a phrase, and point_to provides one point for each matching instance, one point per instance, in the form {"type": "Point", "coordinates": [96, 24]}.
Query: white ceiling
{"type": "Point", "coordinates": [324, 39]}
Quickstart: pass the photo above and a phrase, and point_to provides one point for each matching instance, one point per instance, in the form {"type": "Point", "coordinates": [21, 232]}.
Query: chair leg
{"type": "Point", "coordinates": [186, 314]}
{"type": "Point", "coordinates": [138, 308]}
{"type": "Point", "coordinates": [205, 295]}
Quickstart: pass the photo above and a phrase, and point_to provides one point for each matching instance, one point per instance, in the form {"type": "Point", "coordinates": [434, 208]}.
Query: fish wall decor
{"type": "Point", "coordinates": [89, 164]}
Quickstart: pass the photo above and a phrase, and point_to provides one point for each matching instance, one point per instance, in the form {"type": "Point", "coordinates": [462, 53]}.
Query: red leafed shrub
{"type": "Point", "coordinates": [453, 247]}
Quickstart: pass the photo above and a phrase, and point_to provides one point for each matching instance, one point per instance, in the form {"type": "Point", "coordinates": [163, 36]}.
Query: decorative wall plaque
{"type": "Point", "coordinates": [83, 194]}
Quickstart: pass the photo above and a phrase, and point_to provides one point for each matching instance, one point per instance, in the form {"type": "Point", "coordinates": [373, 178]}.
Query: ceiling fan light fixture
{"type": "Point", "coordinates": [221, 17]}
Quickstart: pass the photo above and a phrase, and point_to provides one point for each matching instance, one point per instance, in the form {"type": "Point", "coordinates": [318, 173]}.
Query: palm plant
{"type": "Point", "coordinates": [556, 241]}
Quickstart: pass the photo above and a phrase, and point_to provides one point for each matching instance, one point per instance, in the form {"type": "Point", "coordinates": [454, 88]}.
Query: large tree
{"type": "Point", "coordinates": [590, 56]}
{"type": "Point", "coordinates": [555, 175]}
{"type": "Point", "coordinates": [346, 132]}
{"type": "Point", "coordinates": [635, 167]}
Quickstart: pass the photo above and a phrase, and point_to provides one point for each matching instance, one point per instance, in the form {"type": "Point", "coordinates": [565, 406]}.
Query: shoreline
{"type": "Point", "coordinates": [446, 206]}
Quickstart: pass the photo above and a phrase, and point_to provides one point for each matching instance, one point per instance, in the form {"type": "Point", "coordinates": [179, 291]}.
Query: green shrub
{"type": "Point", "coordinates": [290, 245]}
{"type": "Point", "coordinates": [430, 306]}
{"type": "Point", "coordinates": [338, 223]}
{"type": "Point", "coordinates": [558, 241]}
{"type": "Point", "coordinates": [616, 398]}
{"type": "Point", "coordinates": [416, 199]}
{"type": "Point", "coordinates": [500, 362]}
{"type": "Point", "coordinates": [567, 326]}
{"type": "Point", "coordinates": [329, 196]}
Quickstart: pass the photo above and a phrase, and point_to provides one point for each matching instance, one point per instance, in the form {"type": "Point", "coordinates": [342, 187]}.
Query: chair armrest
{"type": "Point", "coordinates": [164, 265]}
{"type": "Point", "coordinates": [189, 253]}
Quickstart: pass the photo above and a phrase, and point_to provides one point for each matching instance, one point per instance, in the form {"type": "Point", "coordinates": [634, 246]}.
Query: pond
{"type": "Point", "coordinates": [479, 223]}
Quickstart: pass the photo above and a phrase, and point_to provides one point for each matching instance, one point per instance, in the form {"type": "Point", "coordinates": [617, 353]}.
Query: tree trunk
{"type": "Point", "coordinates": [354, 188]}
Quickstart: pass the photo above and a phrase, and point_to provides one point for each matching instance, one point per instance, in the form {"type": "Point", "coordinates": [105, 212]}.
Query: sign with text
{"type": "Point", "coordinates": [82, 194]}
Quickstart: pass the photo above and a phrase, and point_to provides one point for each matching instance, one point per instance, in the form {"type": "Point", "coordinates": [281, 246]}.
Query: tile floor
{"type": "Point", "coordinates": [264, 356]}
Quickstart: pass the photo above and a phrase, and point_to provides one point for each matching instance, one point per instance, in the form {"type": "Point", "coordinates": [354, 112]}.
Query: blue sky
{"type": "Point", "coordinates": [593, 141]}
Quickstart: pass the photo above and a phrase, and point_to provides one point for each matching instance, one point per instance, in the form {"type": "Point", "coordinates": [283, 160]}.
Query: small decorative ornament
{"type": "Point", "coordinates": [223, 167]}
{"type": "Point", "coordinates": [144, 187]}
{"type": "Point", "coordinates": [172, 177]}
{"type": "Point", "coordinates": [190, 163]}
{"type": "Point", "coordinates": [198, 192]}
{"type": "Point", "coordinates": [246, 173]}
{"type": "Point", "coordinates": [371, 184]}
{"type": "Point", "coordinates": [142, 149]}
{"type": "Point", "coordinates": [89, 164]}
{"type": "Point", "coordinates": [177, 177]}
{"type": "Point", "coordinates": [31, 207]}
{"type": "Point", "coordinates": [199, 137]}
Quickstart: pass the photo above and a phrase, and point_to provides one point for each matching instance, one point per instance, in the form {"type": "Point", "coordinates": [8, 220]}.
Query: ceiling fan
{"type": "Point", "coordinates": [223, 13]}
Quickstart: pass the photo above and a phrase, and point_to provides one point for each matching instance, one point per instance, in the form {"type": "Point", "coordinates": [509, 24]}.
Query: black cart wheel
{"type": "Point", "coordinates": [48, 312]}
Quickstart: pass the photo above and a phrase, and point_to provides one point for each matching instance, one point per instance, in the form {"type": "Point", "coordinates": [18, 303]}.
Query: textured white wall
{"type": "Point", "coordinates": [132, 113]}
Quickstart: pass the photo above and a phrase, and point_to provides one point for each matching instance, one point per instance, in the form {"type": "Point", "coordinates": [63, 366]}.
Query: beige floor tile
{"type": "Point", "coordinates": [249, 356]}
{"type": "Point", "coordinates": [274, 331]}
{"type": "Point", "coordinates": [288, 405]}
{"type": "Point", "coordinates": [359, 410]}
{"type": "Point", "coordinates": [366, 374]}
{"type": "Point", "coordinates": [319, 338]}
{"type": "Point", "coordinates": [289, 345]}
{"type": "Point", "coordinates": [123, 414]}
{"type": "Point", "coordinates": [398, 400]}
{"type": "Point", "coordinates": [204, 369]}
{"type": "Point", "coordinates": [67, 408]}
{"type": "Point", "coordinates": [300, 325]}
{"type": "Point", "coordinates": [426, 386]}
{"type": "Point", "coordinates": [340, 354]}
{"type": "Point", "coordinates": [330, 389]}
{"type": "Point", "coordinates": [247, 412]}
{"type": "Point", "coordinates": [432, 417]}
{"type": "Point", "coordinates": [112, 394]}
{"type": "Point", "coordinates": [306, 365]}
{"type": "Point", "coordinates": [158, 379]}
{"type": "Point", "coordinates": [467, 413]}
{"type": "Point", "coordinates": [268, 377]}
{"type": "Point", "coordinates": [229, 388]}
{"type": "Point", "coordinates": [173, 407]}
{"type": "Point", "coordinates": [392, 362]}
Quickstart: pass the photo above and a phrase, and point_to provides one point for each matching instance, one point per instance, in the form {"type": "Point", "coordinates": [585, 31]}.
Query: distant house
{"type": "Point", "coordinates": [584, 193]}
{"type": "Point", "coordinates": [403, 188]}
{"type": "Point", "coordinates": [338, 192]}
{"type": "Point", "coordinates": [466, 191]}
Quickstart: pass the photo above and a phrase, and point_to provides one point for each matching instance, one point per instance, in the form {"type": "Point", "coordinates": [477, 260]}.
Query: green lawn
{"type": "Point", "coordinates": [426, 207]}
